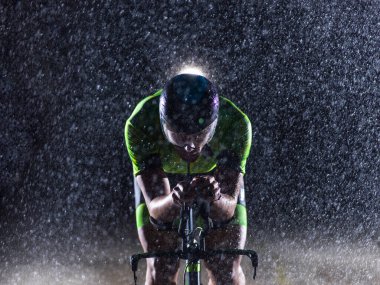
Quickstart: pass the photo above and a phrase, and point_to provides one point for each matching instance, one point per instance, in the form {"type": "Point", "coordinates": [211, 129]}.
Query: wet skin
{"type": "Point", "coordinates": [165, 270]}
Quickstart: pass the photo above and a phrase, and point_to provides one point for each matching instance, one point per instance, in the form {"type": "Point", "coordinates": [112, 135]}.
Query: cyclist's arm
{"type": "Point", "coordinates": [230, 181]}
{"type": "Point", "coordinates": [155, 187]}
{"type": "Point", "coordinates": [231, 166]}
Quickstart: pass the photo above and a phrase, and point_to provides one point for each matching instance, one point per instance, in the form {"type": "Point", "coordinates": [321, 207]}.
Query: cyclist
{"type": "Point", "coordinates": [188, 121]}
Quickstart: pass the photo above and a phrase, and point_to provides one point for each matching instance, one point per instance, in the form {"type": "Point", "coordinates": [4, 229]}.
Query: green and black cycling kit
{"type": "Point", "coordinates": [148, 148]}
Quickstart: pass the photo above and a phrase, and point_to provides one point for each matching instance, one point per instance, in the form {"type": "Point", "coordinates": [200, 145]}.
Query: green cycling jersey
{"type": "Point", "coordinates": [147, 146]}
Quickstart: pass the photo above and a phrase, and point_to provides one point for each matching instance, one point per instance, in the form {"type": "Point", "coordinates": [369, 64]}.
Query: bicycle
{"type": "Point", "coordinates": [193, 248]}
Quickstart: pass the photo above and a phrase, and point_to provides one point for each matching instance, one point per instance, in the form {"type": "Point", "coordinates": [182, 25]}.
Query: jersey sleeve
{"type": "Point", "coordinates": [243, 145]}
{"type": "Point", "coordinates": [142, 150]}
{"type": "Point", "coordinates": [238, 144]}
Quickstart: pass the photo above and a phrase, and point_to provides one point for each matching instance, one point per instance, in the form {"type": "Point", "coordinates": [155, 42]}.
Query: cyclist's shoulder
{"type": "Point", "coordinates": [145, 120]}
{"type": "Point", "coordinates": [146, 110]}
{"type": "Point", "coordinates": [230, 113]}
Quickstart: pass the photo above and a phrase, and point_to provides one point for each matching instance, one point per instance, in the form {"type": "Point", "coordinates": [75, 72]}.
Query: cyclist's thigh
{"type": "Point", "coordinates": [152, 239]}
{"type": "Point", "coordinates": [163, 270]}
{"type": "Point", "coordinates": [232, 236]}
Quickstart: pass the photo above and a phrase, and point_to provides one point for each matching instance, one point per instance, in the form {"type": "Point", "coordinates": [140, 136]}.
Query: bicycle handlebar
{"type": "Point", "coordinates": [199, 254]}
{"type": "Point", "coordinates": [190, 251]}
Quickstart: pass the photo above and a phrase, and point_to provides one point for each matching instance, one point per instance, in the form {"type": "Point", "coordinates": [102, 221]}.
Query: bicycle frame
{"type": "Point", "coordinates": [189, 247]}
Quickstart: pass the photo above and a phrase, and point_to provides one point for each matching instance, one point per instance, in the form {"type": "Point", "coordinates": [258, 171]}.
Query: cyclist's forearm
{"type": "Point", "coordinates": [223, 209]}
{"type": "Point", "coordinates": [163, 208]}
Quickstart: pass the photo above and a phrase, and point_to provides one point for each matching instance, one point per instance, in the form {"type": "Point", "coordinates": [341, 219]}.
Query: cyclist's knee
{"type": "Point", "coordinates": [238, 276]}
{"type": "Point", "coordinates": [226, 273]}
{"type": "Point", "coordinates": [162, 271]}
{"type": "Point", "coordinates": [235, 277]}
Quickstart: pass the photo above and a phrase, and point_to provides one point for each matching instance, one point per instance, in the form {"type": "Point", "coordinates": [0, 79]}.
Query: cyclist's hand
{"type": "Point", "coordinates": [182, 193]}
{"type": "Point", "coordinates": [207, 187]}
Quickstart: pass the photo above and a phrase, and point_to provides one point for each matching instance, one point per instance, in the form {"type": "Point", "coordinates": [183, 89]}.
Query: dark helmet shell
{"type": "Point", "coordinates": [189, 103]}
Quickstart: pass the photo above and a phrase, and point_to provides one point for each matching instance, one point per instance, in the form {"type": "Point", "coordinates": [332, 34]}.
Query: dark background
{"type": "Point", "coordinates": [306, 73]}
